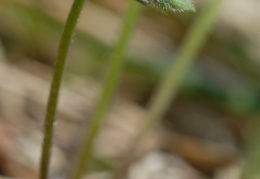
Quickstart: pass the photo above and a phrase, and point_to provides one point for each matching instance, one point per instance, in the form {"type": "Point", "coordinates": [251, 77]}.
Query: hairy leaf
{"type": "Point", "coordinates": [169, 5]}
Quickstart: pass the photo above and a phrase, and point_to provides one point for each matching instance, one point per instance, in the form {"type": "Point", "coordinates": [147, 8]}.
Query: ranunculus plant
{"type": "Point", "coordinates": [166, 90]}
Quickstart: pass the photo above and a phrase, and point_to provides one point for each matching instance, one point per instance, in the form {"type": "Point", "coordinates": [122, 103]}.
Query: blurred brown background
{"type": "Point", "coordinates": [205, 133]}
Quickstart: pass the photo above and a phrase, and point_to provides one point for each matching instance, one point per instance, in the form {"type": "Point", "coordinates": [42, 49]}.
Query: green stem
{"type": "Point", "coordinates": [252, 147]}
{"type": "Point", "coordinates": [192, 45]}
{"type": "Point", "coordinates": [169, 86]}
{"type": "Point", "coordinates": [55, 86]}
{"type": "Point", "coordinates": [109, 86]}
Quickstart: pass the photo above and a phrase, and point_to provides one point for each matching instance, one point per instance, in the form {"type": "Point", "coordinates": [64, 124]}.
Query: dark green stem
{"type": "Point", "coordinates": [109, 86]}
{"type": "Point", "coordinates": [55, 86]}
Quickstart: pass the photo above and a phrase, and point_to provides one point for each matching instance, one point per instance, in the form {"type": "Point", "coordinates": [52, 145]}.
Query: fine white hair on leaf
{"type": "Point", "coordinates": [169, 5]}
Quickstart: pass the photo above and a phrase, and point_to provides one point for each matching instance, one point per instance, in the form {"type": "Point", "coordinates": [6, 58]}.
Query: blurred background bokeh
{"type": "Point", "coordinates": [210, 130]}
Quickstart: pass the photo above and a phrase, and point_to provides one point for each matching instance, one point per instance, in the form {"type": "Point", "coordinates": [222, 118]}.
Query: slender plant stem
{"type": "Point", "coordinates": [192, 45]}
{"type": "Point", "coordinates": [55, 86]}
{"type": "Point", "coordinates": [109, 87]}
{"type": "Point", "coordinates": [252, 147]}
{"type": "Point", "coordinates": [169, 86]}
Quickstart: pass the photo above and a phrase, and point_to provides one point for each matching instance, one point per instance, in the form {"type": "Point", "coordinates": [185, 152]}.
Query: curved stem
{"type": "Point", "coordinates": [55, 86]}
{"type": "Point", "coordinates": [109, 86]}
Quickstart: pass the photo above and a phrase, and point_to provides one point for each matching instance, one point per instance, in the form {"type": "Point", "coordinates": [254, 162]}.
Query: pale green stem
{"type": "Point", "coordinates": [252, 148]}
{"type": "Point", "coordinates": [109, 87]}
{"type": "Point", "coordinates": [169, 86]}
{"type": "Point", "coordinates": [55, 86]}
{"type": "Point", "coordinates": [192, 45]}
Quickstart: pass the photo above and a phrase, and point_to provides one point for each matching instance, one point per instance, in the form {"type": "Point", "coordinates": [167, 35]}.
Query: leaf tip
{"type": "Point", "coordinates": [170, 5]}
